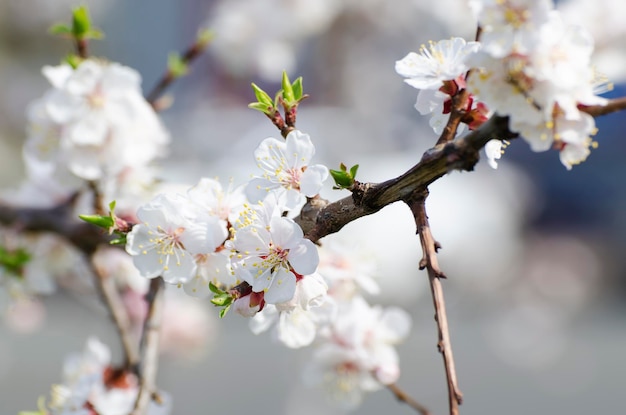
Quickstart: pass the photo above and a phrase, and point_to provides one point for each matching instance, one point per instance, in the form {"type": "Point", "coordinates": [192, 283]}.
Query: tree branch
{"type": "Point", "coordinates": [59, 220]}
{"type": "Point", "coordinates": [367, 198]}
{"type": "Point", "coordinates": [429, 262]}
{"type": "Point", "coordinates": [404, 397]}
{"type": "Point", "coordinates": [150, 347]}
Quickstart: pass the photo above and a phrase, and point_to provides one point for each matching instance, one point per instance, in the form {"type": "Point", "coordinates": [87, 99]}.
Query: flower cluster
{"type": "Point", "coordinates": [181, 238]}
{"type": "Point", "coordinates": [92, 125]}
{"type": "Point", "coordinates": [438, 71]}
{"type": "Point", "coordinates": [354, 353]}
{"type": "Point", "coordinates": [535, 68]}
{"type": "Point", "coordinates": [91, 385]}
{"type": "Point", "coordinates": [529, 65]}
{"type": "Point", "coordinates": [251, 249]}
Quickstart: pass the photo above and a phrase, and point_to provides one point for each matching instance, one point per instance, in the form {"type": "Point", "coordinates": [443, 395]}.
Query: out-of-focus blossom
{"type": "Point", "coordinates": [357, 353]}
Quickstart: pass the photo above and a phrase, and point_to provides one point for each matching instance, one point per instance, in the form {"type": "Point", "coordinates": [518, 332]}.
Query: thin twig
{"type": "Point", "coordinates": [169, 77]}
{"type": "Point", "coordinates": [614, 105]}
{"type": "Point", "coordinates": [150, 347]}
{"type": "Point", "coordinates": [429, 262]}
{"type": "Point", "coordinates": [404, 397]}
{"type": "Point", "coordinates": [113, 302]}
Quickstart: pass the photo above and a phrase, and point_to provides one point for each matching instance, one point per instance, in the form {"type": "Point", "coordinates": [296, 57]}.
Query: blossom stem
{"type": "Point", "coordinates": [402, 396]}
{"type": "Point", "coordinates": [81, 47]}
{"type": "Point", "coordinates": [459, 106]}
{"type": "Point", "coordinates": [112, 300]}
{"type": "Point", "coordinates": [150, 347]}
{"type": "Point", "coordinates": [429, 262]}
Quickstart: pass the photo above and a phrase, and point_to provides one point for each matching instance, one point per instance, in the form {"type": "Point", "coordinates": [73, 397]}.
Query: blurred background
{"type": "Point", "coordinates": [534, 253]}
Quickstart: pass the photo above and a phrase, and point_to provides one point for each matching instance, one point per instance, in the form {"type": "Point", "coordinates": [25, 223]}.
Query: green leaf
{"type": "Point", "coordinates": [14, 260]}
{"type": "Point", "coordinates": [288, 94]}
{"type": "Point", "coordinates": [177, 66]}
{"type": "Point", "coordinates": [93, 34]}
{"type": "Point", "coordinates": [343, 180]}
{"type": "Point", "coordinates": [221, 300]}
{"type": "Point", "coordinates": [119, 241]}
{"type": "Point", "coordinates": [259, 106]}
{"type": "Point", "coordinates": [261, 96]}
{"type": "Point", "coordinates": [204, 37]}
{"type": "Point", "coordinates": [277, 98]}
{"type": "Point", "coordinates": [60, 29]}
{"type": "Point", "coordinates": [81, 23]}
{"type": "Point", "coordinates": [224, 310]}
{"type": "Point", "coordinates": [297, 89]}
{"type": "Point", "coordinates": [215, 289]}
{"type": "Point", "coordinates": [112, 207]}
{"type": "Point", "coordinates": [73, 60]}
{"type": "Point", "coordinates": [353, 171]}
{"type": "Point", "coordinates": [101, 221]}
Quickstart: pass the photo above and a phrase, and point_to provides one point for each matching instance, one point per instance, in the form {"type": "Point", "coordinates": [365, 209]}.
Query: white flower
{"type": "Point", "coordinates": [269, 253]}
{"type": "Point", "coordinates": [91, 385]}
{"type": "Point", "coordinates": [346, 270]}
{"type": "Point", "coordinates": [94, 120]}
{"type": "Point", "coordinates": [441, 61]}
{"type": "Point", "coordinates": [493, 151]}
{"type": "Point", "coordinates": [211, 268]}
{"type": "Point", "coordinates": [510, 26]}
{"type": "Point", "coordinates": [210, 195]}
{"type": "Point", "coordinates": [358, 354]}
{"type": "Point", "coordinates": [165, 241]}
{"type": "Point", "coordinates": [286, 170]}
{"type": "Point", "coordinates": [298, 320]}
{"type": "Point", "coordinates": [573, 139]}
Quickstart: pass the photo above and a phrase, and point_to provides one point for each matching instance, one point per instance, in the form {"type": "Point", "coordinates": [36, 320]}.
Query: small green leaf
{"type": "Point", "coordinates": [215, 289]}
{"type": "Point", "coordinates": [98, 220]}
{"type": "Point", "coordinates": [297, 89]}
{"type": "Point", "coordinates": [60, 29]}
{"type": "Point", "coordinates": [176, 65]}
{"type": "Point", "coordinates": [353, 171]}
{"type": "Point", "coordinates": [204, 37]}
{"type": "Point", "coordinates": [221, 300]}
{"type": "Point", "coordinates": [259, 106]}
{"type": "Point", "coordinates": [261, 96]}
{"type": "Point", "coordinates": [119, 241]}
{"type": "Point", "coordinates": [73, 60]}
{"type": "Point", "coordinates": [94, 34]}
{"type": "Point", "coordinates": [224, 310]}
{"type": "Point", "coordinates": [278, 97]}
{"type": "Point", "coordinates": [342, 179]}
{"type": "Point", "coordinates": [288, 94]}
{"type": "Point", "coordinates": [14, 260]}
{"type": "Point", "coordinates": [112, 207]}
{"type": "Point", "coordinates": [81, 23]}
{"type": "Point", "coordinates": [101, 221]}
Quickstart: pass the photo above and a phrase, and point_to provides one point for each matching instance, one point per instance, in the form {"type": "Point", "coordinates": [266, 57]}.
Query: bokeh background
{"type": "Point", "coordinates": [534, 253]}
